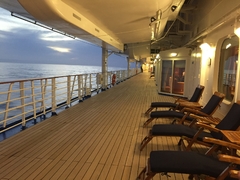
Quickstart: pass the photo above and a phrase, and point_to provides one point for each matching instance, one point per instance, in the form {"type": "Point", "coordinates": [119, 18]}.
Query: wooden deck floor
{"type": "Point", "coordinates": [96, 139]}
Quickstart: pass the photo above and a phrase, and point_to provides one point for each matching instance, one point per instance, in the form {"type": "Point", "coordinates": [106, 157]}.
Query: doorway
{"type": "Point", "coordinates": [173, 76]}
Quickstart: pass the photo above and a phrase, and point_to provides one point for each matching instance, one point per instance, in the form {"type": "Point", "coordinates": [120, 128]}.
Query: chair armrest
{"type": "Point", "coordinates": [195, 111]}
{"type": "Point", "coordinates": [206, 126]}
{"type": "Point", "coordinates": [221, 143]}
{"type": "Point", "coordinates": [181, 100]}
{"type": "Point", "coordinates": [206, 120]}
{"type": "Point", "coordinates": [228, 158]}
{"type": "Point", "coordinates": [234, 174]}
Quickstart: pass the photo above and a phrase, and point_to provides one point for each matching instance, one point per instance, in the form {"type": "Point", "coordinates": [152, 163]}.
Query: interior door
{"type": "Point", "coordinates": [173, 76]}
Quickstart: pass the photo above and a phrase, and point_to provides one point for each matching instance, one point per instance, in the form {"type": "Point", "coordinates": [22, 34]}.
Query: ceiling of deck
{"type": "Point", "coordinates": [120, 26]}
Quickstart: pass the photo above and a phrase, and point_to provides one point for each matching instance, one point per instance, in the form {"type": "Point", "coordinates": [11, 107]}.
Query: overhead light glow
{"type": "Point", "coordinates": [59, 49]}
{"type": "Point", "coordinates": [237, 26]}
{"type": "Point", "coordinates": [237, 32]}
{"type": "Point", "coordinates": [196, 54]}
{"type": "Point", "coordinates": [173, 54]}
{"type": "Point", "coordinates": [205, 46]}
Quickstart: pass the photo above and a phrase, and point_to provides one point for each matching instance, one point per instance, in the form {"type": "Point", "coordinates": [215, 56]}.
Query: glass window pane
{"type": "Point", "coordinates": [178, 76]}
{"type": "Point", "coordinates": [166, 82]}
{"type": "Point", "coordinates": [228, 67]}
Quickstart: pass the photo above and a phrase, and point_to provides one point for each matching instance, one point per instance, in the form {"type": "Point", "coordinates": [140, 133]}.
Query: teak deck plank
{"type": "Point", "coordinates": [96, 139]}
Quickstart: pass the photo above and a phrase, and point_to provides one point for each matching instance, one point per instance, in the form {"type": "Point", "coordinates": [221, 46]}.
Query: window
{"type": "Point", "coordinates": [228, 67]}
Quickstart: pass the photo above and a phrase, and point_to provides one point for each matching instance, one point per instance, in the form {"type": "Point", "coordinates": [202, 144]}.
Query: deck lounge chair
{"type": "Point", "coordinates": [207, 110]}
{"type": "Point", "coordinates": [195, 98]}
{"type": "Point", "coordinates": [192, 163]}
{"type": "Point", "coordinates": [195, 135]}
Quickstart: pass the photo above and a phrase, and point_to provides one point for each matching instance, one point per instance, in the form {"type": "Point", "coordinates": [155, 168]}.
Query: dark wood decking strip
{"type": "Point", "coordinates": [96, 139]}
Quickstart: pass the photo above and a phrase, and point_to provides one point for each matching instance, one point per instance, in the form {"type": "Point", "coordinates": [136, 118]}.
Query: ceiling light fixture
{"type": "Point", "coordinates": [173, 54]}
{"type": "Point", "coordinates": [173, 8]}
{"type": "Point", "coordinates": [153, 19]}
{"type": "Point", "coordinates": [205, 46]}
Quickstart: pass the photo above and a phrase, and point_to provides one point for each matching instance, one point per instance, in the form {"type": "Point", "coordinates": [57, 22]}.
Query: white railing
{"type": "Point", "coordinates": [31, 99]}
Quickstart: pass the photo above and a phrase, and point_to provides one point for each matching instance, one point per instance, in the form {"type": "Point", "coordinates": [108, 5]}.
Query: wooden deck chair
{"type": "Point", "coordinates": [235, 174]}
{"type": "Point", "coordinates": [207, 110]}
{"type": "Point", "coordinates": [192, 163]}
{"type": "Point", "coordinates": [209, 127]}
{"type": "Point", "coordinates": [195, 98]}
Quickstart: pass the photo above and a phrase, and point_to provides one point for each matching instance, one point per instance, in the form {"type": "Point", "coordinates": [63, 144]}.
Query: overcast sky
{"type": "Point", "coordinates": [21, 41]}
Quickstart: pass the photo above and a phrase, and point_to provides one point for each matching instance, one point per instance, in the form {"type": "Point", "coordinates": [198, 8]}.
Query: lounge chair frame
{"type": "Point", "coordinates": [205, 123]}
{"type": "Point", "coordinates": [174, 106]}
{"type": "Point", "coordinates": [230, 169]}
{"type": "Point", "coordinates": [187, 111]}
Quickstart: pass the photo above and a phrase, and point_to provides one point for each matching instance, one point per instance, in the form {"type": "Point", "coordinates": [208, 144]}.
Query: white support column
{"type": "Point", "coordinates": [104, 69]}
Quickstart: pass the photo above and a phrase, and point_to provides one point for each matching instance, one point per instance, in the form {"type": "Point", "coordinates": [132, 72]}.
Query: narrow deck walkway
{"type": "Point", "coordinates": [95, 140]}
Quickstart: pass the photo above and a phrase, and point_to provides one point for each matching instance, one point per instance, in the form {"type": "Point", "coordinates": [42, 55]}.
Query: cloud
{"type": "Point", "coordinates": [59, 49]}
{"type": "Point", "coordinates": [22, 41]}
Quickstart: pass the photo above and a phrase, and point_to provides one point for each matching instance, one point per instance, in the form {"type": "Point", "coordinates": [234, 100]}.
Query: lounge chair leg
{"type": "Point", "coordinates": [148, 111]}
{"type": "Point", "coordinates": [148, 121]}
{"type": "Point", "coordinates": [141, 176]}
{"type": "Point", "coordinates": [145, 141]}
{"type": "Point", "coordinates": [190, 177]}
{"type": "Point", "coordinates": [180, 142]}
{"type": "Point", "coordinates": [174, 121]}
{"type": "Point", "coordinates": [193, 140]}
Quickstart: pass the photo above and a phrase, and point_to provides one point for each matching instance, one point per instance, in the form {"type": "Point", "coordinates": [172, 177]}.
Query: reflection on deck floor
{"type": "Point", "coordinates": [96, 139]}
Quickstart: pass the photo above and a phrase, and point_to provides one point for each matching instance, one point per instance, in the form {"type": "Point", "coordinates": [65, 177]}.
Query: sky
{"type": "Point", "coordinates": [24, 42]}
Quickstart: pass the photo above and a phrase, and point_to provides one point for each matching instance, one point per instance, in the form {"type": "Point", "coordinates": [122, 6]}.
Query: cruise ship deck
{"type": "Point", "coordinates": [96, 139]}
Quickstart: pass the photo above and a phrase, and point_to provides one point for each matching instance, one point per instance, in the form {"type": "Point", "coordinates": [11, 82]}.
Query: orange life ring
{"type": "Point", "coordinates": [113, 79]}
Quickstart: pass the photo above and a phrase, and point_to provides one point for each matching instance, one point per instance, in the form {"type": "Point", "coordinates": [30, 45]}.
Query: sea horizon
{"type": "Point", "coordinates": [14, 71]}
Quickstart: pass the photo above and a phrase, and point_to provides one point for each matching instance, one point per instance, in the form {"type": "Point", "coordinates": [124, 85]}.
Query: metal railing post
{"type": "Point", "coordinates": [68, 91]}
{"type": "Point", "coordinates": [22, 94]}
{"type": "Point", "coordinates": [80, 90]}
{"type": "Point", "coordinates": [54, 96]}
{"type": "Point", "coordinates": [33, 102]}
{"type": "Point", "coordinates": [7, 104]}
{"type": "Point", "coordinates": [43, 92]}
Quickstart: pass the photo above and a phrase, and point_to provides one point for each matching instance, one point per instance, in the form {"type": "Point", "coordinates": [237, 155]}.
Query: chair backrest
{"type": "Point", "coordinates": [213, 103]}
{"type": "Point", "coordinates": [197, 94]}
{"type": "Point", "coordinates": [230, 122]}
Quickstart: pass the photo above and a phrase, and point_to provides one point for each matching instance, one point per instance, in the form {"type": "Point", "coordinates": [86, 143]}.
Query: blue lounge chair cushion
{"type": "Point", "coordinates": [163, 104]}
{"type": "Point", "coordinates": [169, 114]}
{"type": "Point", "coordinates": [185, 162]}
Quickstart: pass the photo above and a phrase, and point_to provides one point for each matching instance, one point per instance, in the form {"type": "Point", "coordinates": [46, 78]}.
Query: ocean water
{"type": "Point", "coordinates": [19, 71]}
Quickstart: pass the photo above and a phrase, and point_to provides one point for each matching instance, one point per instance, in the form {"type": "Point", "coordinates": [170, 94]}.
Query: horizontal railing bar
{"type": "Point", "coordinates": [44, 78]}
